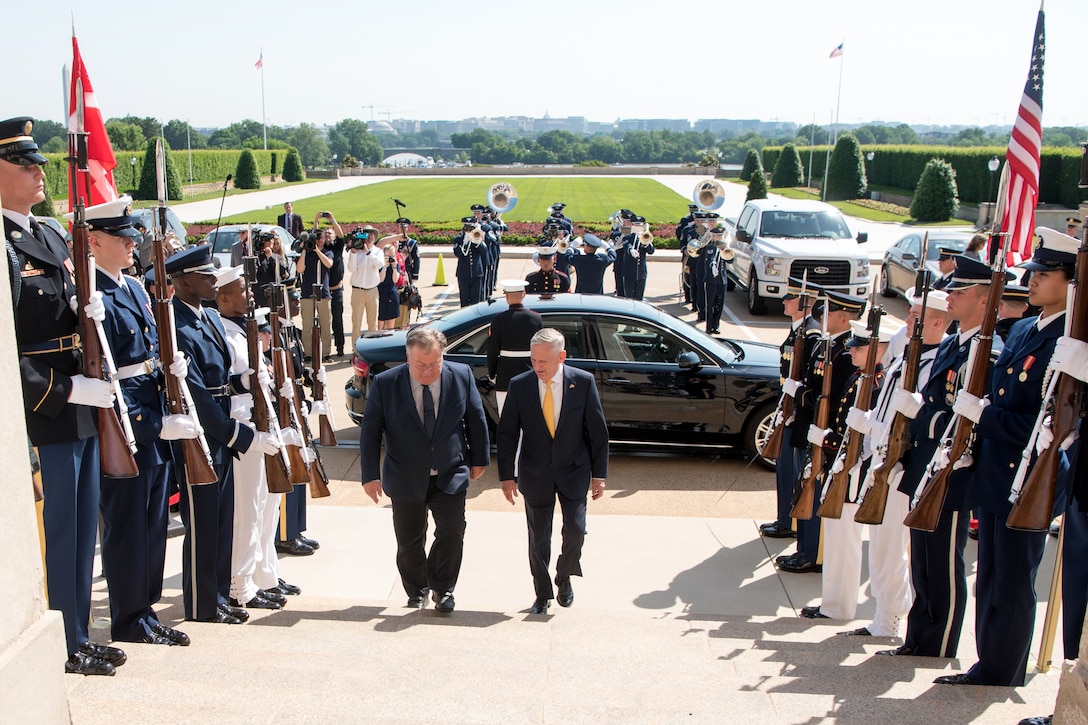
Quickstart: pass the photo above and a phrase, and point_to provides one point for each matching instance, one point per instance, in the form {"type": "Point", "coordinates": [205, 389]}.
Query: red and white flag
{"type": "Point", "coordinates": [260, 61]}
{"type": "Point", "coordinates": [1022, 157]}
{"type": "Point", "coordinates": [837, 51]}
{"type": "Point", "coordinates": [100, 159]}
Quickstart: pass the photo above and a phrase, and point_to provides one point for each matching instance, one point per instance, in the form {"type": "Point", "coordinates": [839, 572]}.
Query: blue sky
{"type": "Point", "coordinates": [923, 62]}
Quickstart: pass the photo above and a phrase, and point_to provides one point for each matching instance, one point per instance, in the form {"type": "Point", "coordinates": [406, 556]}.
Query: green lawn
{"type": "Point", "coordinates": [447, 200]}
{"type": "Point", "coordinates": [864, 212]}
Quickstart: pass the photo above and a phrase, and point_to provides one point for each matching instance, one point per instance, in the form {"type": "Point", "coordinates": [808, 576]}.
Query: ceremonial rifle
{"type": "Point", "coordinates": [314, 471]}
{"type": "Point", "coordinates": [280, 358]}
{"type": "Point", "coordinates": [772, 447]}
{"type": "Point", "coordinates": [325, 428]}
{"type": "Point", "coordinates": [804, 501]}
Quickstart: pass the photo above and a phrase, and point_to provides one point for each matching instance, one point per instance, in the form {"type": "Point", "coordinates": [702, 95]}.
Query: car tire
{"type": "Point", "coordinates": [756, 304]}
{"type": "Point", "coordinates": [756, 430]}
{"type": "Point", "coordinates": [885, 290]}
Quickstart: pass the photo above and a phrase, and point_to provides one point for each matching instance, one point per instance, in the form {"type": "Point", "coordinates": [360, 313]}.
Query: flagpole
{"type": "Point", "coordinates": [264, 123]}
{"type": "Point", "coordinates": [838, 98]}
{"type": "Point", "coordinates": [827, 163]}
{"type": "Point", "coordinates": [811, 143]}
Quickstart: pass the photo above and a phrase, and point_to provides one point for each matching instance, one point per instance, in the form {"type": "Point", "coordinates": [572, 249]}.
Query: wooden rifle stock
{"type": "Point", "coordinates": [315, 471]}
{"type": "Point", "coordinates": [772, 447]}
{"type": "Point", "coordinates": [1033, 508]}
{"type": "Point", "coordinates": [327, 435]}
{"type": "Point", "coordinates": [805, 501]}
{"type": "Point", "coordinates": [280, 359]}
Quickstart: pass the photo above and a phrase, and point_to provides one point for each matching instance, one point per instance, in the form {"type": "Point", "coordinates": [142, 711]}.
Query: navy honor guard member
{"type": "Point", "coordinates": [59, 402]}
{"type": "Point", "coordinates": [508, 339]}
{"type": "Point", "coordinates": [590, 264]}
{"type": "Point", "coordinates": [207, 511]}
{"type": "Point", "coordinates": [547, 280]}
{"type": "Point", "coordinates": [555, 413]}
{"type": "Point", "coordinates": [134, 511]}
{"type": "Point", "coordinates": [436, 440]}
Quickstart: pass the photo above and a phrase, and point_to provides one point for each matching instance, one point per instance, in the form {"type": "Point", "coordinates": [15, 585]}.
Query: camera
{"type": "Point", "coordinates": [358, 239]}
{"type": "Point", "coordinates": [263, 240]}
{"type": "Point", "coordinates": [307, 241]}
{"type": "Point", "coordinates": [326, 214]}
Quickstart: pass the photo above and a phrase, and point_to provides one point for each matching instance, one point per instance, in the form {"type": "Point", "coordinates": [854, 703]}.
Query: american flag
{"type": "Point", "coordinates": [838, 51]}
{"type": "Point", "coordinates": [1023, 156]}
{"type": "Point", "coordinates": [260, 61]}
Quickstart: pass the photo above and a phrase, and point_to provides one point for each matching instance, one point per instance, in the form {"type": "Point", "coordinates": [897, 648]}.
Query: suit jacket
{"type": "Point", "coordinates": [460, 437]}
{"type": "Point", "coordinates": [291, 222]}
{"type": "Point", "coordinates": [565, 463]}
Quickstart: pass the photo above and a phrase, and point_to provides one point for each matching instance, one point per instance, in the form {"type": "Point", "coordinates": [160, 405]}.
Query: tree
{"type": "Point", "coordinates": [788, 171]}
{"type": "Point", "coordinates": [224, 138]}
{"type": "Point", "coordinates": [311, 147]}
{"type": "Point", "coordinates": [846, 172]}
{"type": "Point", "coordinates": [46, 131]}
{"type": "Point", "coordinates": [812, 134]}
{"type": "Point", "coordinates": [148, 185]}
{"type": "Point", "coordinates": [468, 140]}
{"type": "Point", "coordinates": [149, 127]}
{"type": "Point", "coordinates": [246, 175]}
{"type": "Point", "coordinates": [347, 137]}
{"type": "Point", "coordinates": [757, 187]}
{"type": "Point", "coordinates": [292, 167]}
{"type": "Point", "coordinates": [125, 136]}
{"type": "Point", "coordinates": [935, 198]}
{"type": "Point", "coordinates": [604, 148]}
{"type": "Point", "coordinates": [709, 160]}
{"type": "Point", "coordinates": [180, 135]}
{"type": "Point", "coordinates": [752, 163]}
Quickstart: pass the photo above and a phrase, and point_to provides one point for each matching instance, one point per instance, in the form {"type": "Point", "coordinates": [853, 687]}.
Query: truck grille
{"type": "Point", "coordinates": [830, 273]}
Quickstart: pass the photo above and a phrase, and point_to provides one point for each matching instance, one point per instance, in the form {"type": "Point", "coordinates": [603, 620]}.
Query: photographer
{"type": "Point", "coordinates": [334, 243]}
{"type": "Point", "coordinates": [270, 258]}
{"type": "Point", "coordinates": [315, 261]}
{"type": "Point", "coordinates": [408, 249]}
{"type": "Point", "coordinates": [364, 267]}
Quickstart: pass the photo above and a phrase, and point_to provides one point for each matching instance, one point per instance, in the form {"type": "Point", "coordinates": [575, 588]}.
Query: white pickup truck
{"type": "Point", "coordinates": [775, 239]}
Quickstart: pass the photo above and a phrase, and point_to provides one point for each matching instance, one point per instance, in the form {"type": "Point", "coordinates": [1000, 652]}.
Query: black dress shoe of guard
{"type": "Point", "coordinates": [787, 557]}
{"type": "Point", "coordinates": [1041, 720]}
{"type": "Point", "coordinates": [294, 547]}
{"type": "Point", "coordinates": [564, 597]}
{"type": "Point", "coordinates": [957, 679]}
{"type": "Point", "coordinates": [288, 589]}
{"type": "Point", "coordinates": [443, 603]}
{"type": "Point", "coordinates": [972, 534]}
{"type": "Point", "coordinates": [220, 617]}
{"type": "Point", "coordinates": [157, 639]}
{"type": "Point", "coordinates": [172, 634]}
{"type": "Point", "coordinates": [800, 566]}
{"type": "Point", "coordinates": [813, 613]}
{"type": "Point", "coordinates": [774, 531]}
{"type": "Point", "coordinates": [84, 664]}
{"type": "Point", "coordinates": [900, 651]}
{"type": "Point", "coordinates": [417, 601]}
{"type": "Point", "coordinates": [540, 606]}
{"type": "Point", "coordinates": [257, 602]}
{"type": "Point", "coordinates": [309, 542]}
{"type": "Point", "coordinates": [113, 655]}
{"type": "Point", "coordinates": [273, 596]}
{"type": "Point", "coordinates": [232, 611]}
{"type": "Point", "coordinates": [859, 632]}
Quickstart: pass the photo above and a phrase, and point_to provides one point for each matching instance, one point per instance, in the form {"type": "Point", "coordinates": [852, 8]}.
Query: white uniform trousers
{"type": "Point", "coordinates": [254, 564]}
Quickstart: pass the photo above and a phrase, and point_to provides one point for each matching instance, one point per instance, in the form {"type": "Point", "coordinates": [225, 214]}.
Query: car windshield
{"type": "Point", "coordinates": [222, 240]}
{"type": "Point", "coordinates": [803, 224]}
{"type": "Point", "coordinates": [933, 250]}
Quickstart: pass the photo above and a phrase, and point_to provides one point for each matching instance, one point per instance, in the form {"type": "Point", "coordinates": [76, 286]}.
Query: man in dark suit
{"type": "Point", "coordinates": [290, 221]}
{"type": "Point", "coordinates": [556, 413]}
{"type": "Point", "coordinates": [436, 441]}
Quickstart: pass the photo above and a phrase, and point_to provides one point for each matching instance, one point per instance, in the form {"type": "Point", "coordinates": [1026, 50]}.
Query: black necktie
{"type": "Point", "coordinates": [36, 230]}
{"type": "Point", "coordinates": [428, 411]}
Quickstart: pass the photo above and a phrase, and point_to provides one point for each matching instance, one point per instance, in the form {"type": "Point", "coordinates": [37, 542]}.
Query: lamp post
{"type": "Point", "coordinates": [993, 164]}
{"type": "Point", "coordinates": [869, 157]}
{"type": "Point", "coordinates": [132, 162]}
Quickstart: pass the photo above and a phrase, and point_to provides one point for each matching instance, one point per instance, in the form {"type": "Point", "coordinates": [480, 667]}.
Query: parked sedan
{"type": "Point", "coordinates": [663, 383]}
{"type": "Point", "coordinates": [900, 268]}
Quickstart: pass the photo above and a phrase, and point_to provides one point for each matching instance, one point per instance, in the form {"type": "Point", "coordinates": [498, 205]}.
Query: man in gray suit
{"type": "Point", "coordinates": [436, 441]}
{"type": "Point", "coordinates": [556, 413]}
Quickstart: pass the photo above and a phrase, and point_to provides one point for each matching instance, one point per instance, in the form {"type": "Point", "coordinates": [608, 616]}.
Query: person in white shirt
{"type": "Point", "coordinates": [364, 263]}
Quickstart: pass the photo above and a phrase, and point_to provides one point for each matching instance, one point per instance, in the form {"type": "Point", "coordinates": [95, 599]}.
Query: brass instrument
{"type": "Point", "coordinates": [476, 236]}
{"type": "Point", "coordinates": [708, 195]}
{"type": "Point", "coordinates": [724, 250]}
{"type": "Point", "coordinates": [694, 247]}
{"type": "Point", "coordinates": [645, 238]}
{"type": "Point", "coordinates": [502, 197]}
{"type": "Point", "coordinates": [564, 244]}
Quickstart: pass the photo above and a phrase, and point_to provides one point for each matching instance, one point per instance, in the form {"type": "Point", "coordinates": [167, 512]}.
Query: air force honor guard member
{"type": "Point", "coordinates": [590, 263]}
{"type": "Point", "coordinates": [471, 261]}
{"type": "Point", "coordinates": [60, 402]}
{"type": "Point", "coordinates": [509, 336]}
{"type": "Point", "coordinates": [207, 511]}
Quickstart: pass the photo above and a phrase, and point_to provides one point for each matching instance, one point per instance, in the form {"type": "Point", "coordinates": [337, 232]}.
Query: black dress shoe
{"type": "Point", "coordinates": [565, 596]}
{"type": "Point", "coordinates": [960, 679]}
{"type": "Point", "coordinates": [172, 634]}
{"type": "Point", "coordinates": [309, 542]}
{"type": "Point", "coordinates": [774, 531]}
{"type": "Point", "coordinates": [787, 557]}
{"type": "Point", "coordinates": [444, 603]}
{"type": "Point", "coordinates": [157, 639]}
{"type": "Point", "coordinates": [859, 632]}
{"type": "Point", "coordinates": [288, 589]}
{"type": "Point", "coordinates": [540, 606]}
{"type": "Point", "coordinates": [257, 602]}
{"type": "Point", "coordinates": [220, 617]}
{"type": "Point", "coordinates": [113, 655]}
{"type": "Point", "coordinates": [294, 547]}
{"type": "Point", "coordinates": [813, 613]}
{"type": "Point", "coordinates": [1041, 720]}
{"type": "Point", "coordinates": [84, 664]}
{"type": "Point", "coordinates": [800, 566]}
{"type": "Point", "coordinates": [972, 534]}
{"type": "Point", "coordinates": [417, 601]}
{"type": "Point", "coordinates": [900, 651]}
{"type": "Point", "coordinates": [272, 596]}
{"type": "Point", "coordinates": [232, 611]}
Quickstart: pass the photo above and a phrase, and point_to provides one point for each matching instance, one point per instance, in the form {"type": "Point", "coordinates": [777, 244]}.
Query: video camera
{"type": "Point", "coordinates": [308, 241]}
{"type": "Point", "coordinates": [358, 239]}
{"type": "Point", "coordinates": [263, 240]}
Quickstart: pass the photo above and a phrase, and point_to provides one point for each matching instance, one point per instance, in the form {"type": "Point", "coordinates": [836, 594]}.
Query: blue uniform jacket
{"type": "Point", "coordinates": [590, 269]}
{"type": "Point", "coordinates": [471, 258]}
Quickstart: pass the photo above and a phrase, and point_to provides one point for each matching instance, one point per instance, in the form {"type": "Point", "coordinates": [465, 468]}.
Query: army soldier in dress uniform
{"type": "Point", "coordinates": [547, 280]}
{"type": "Point", "coordinates": [556, 212]}
{"type": "Point", "coordinates": [470, 263]}
{"type": "Point", "coordinates": [508, 342]}
{"type": "Point", "coordinates": [134, 511]}
{"type": "Point", "coordinates": [1007, 558]}
{"type": "Point", "coordinates": [207, 511]}
{"type": "Point", "coordinates": [590, 263]}
{"type": "Point", "coordinates": [60, 402]}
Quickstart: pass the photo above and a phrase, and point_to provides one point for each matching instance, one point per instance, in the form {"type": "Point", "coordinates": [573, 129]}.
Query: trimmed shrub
{"type": "Point", "coordinates": [788, 171]}
{"type": "Point", "coordinates": [757, 187]}
{"type": "Point", "coordinates": [751, 163]}
{"type": "Point", "coordinates": [935, 198]}
{"type": "Point", "coordinates": [148, 185]}
{"type": "Point", "coordinates": [246, 175]}
{"type": "Point", "coordinates": [846, 172]}
{"type": "Point", "coordinates": [292, 167]}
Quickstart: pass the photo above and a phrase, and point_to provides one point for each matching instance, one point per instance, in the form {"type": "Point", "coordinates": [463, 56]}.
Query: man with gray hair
{"type": "Point", "coordinates": [436, 441]}
{"type": "Point", "coordinates": [556, 413]}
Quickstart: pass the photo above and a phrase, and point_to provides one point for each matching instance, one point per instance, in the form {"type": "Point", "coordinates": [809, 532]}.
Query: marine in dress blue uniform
{"type": "Point", "coordinates": [470, 263]}
{"type": "Point", "coordinates": [590, 264]}
{"type": "Point", "coordinates": [547, 280]}
{"type": "Point", "coordinates": [508, 339]}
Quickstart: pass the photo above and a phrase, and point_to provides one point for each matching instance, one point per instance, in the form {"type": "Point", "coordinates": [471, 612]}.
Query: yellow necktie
{"type": "Point", "coordinates": [549, 409]}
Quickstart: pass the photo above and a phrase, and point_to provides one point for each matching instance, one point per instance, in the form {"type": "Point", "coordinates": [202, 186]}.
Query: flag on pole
{"type": "Point", "coordinates": [838, 51]}
{"type": "Point", "coordinates": [260, 61]}
{"type": "Point", "coordinates": [100, 159]}
{"type": "Point", "coordinates": [1022, 157]}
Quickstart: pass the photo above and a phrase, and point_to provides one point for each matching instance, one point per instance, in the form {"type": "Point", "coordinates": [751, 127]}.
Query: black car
{"type": "Point", "coordinates": [900, 268]}
{"type": "Point", "coordinates": [663, 383]}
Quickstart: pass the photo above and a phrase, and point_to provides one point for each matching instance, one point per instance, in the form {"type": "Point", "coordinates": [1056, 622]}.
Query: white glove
{"type": "Point", "coordinates": [321, 375]}
{"type": "Point", "coordinates": [878, 430]}
{"type": "Point", "coordinates": [969, 406]}
{"type": "Point", "coordinates": [287, 390]}
{"type": "Point", "coordinates": [308, 455]}
{"type": "Point", "coordinates": [177, 427]}
{"type": "Point", "coordinates": [859, 420]}
{"type": "Point", "coordinates": [320, 407]}
{"type": "Point", "coordinates": [74, 304]}
{"type": "Point", "coordinates": [1046, 438]}
{"type": "Point", "coordinates": [266, 443]}
{"type": "Point", "coordinates": [304, 407]}
{"type": "Point", "coordinates": [95, 309]}
{"type": "Point", "coordinates": [838, 465]}
{"type": "Point", "coordinates": [790, 386]}
{"type": "Point", "coordinates": [907, 403]}
{"type": "Point", "coordinates": [292, 437]}
{"type": "Point", "coordinates": [817, 434]}
{"type": "Point", "coordinates": [91, 391]}
{"type": "Point", "coordinates": [179, 368]}
{"type": "Point", "coordinates": [1071, 357]}
{"type": "Point", "coordinates": [940, 458]}
{"type": "Point", "coordinates": [777, 418]}
{"type": "Point", "coordinates": [263, 378]}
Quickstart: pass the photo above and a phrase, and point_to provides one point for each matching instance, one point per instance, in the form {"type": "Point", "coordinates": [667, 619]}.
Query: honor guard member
{"type": "Point", "coordinates": [470, 262]}
{"type": "Point", "coordinates": [946, 263]}
{"type": "Point", "coordinates": [134, 510]}
{"type": "Point", "coordinates": [494, 230]}
{"type": "Point", "coordinates": [683, 230]}
{"type": "Point", "coordinates": [554, 234]}
{"type": "Point", "coordinates": [547, 280]}
{"type": "Point", "coordinates": [207, 511]}
{"type": "Point", "coordinates": [839, 309]}
{"type": "Point", "coordinates": [59, 401]}
{"type": "Point", "coordinates": [1014, 303]}
{"type": "Point", "coordinates": [590, 264]}
{"type": "Point", "coordinates": [715, 259]}
{"type": "Point", "coordinates": [938, 576]}
{"type": "Point", "coordinates": [1008, 559]}
{"type": "Point", "coordinates": [842, 536]}
{"type": "Point", "coordinates": [556, 212]}
{"type": "Point", "coordinates": [695, 269]}
{"type": "Point", "coordinates": [509, 336]}
{"type": "Point", "coordinates": [634, 264]}
{"type": "Point", "coordinates": [792, 459]}
{"type": "Point", "coordinates": [621, 225]}
{"type": "Point", "coordinates": [1072, 227]}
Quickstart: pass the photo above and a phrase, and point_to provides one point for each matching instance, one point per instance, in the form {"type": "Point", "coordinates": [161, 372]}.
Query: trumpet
{"type": "Point", "coordinates": [645, 238]}
{"type": "Point", "coordinates": [725, 251]}
{"type": "Point", "coordinates": [564, 244]}
{"type": "Point", "coordinates": [502, 197]}
{"type": "Point", "coordinates": [476, 236]}
{"type": "Point", "coordinates": [709, 195]}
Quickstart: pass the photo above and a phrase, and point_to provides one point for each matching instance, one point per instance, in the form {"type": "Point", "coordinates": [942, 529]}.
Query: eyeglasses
{"type": "Point", "coordinates": [426, 367]}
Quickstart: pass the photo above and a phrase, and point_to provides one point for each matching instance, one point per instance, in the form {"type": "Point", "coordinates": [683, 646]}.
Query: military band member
{"type": "Point", "coordinates": [554, 234]}
{"type": "Point", "coordinates": [508, 340]}
{"type": "Point", "coordinates": [556, 212]}
{"type": "Point", "coordinates": [590, 264]}
{"type": "Point", "coordinates": [471, 258]}
{"type": "Point", "coordinates": [683, 232]}
{"type": "Point", "coordinates": [714, 278]}
{"type": "Point", "coordinates": [547, 280]}
{"type": "Point", "coordinates": [635, 251]}
{"type": "Point", "coordinates": [1007, 558]}
{"type": "Point", "coordinates": [494, 229]}
{"type": "Point", "coordinates": [59, 401]}
{"type": "Point", "coordinates": [621, 226]}
{"type": "Point", "coordinates": [695, 269]}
